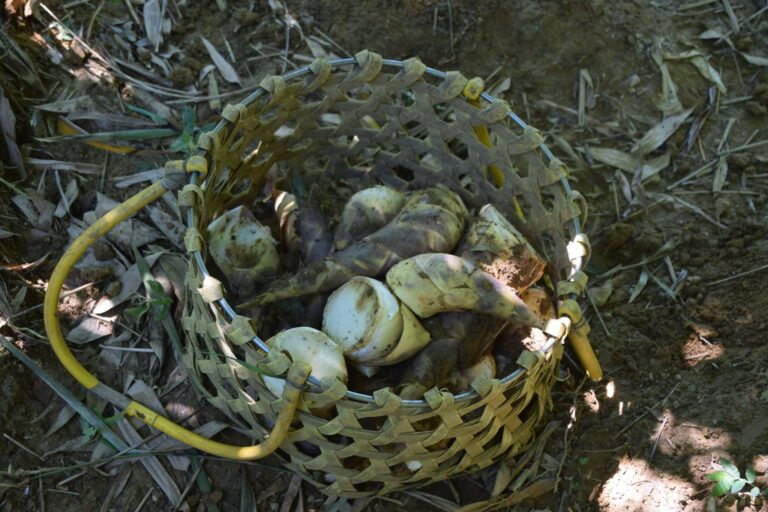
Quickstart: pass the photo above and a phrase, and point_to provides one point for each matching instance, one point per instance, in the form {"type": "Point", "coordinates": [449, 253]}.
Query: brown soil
{"type": "Point", "coordinates": [686, 377]}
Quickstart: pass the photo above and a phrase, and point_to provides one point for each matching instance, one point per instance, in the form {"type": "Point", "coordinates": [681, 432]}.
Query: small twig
{"type": "Point", "coordinates": [132, 12]}
{"type": "Point", "coordinates": [740, 99]}
{"type": "Point", "coordinates": [42, 494]}
{"type": "Point", "coordinates": [737, 276]}
{"type": "Point", "coordinates": [574, 408]}
{"type": "Point", "coordinates": [745, 147]}
{"type": "Point", "coordinates": [61, 191]}
{"type": "Point", "coordinates": [188, 487]}
{"type": "Point", "coordinates": [758, 13]}
{"type": "Point", "coordinates": [128, 349]}
{"type": "Point", "coordinates": [450, 25]}
{"type": "Point", "coordinates": [143, 501]}
{"type": "Point", "coordinates": [599, 316]}
{"type": "Point", "coordinates": [70, 479]}
{"type": "Point", "coordinates": [93, 20]}
{"type": "Point", "coordinates": [694, 5]}
{"type": "Point", "coordinates": [62, 491]}
{"type": "Point", "coordinates": [726, 134]}
{"type": "Point", "coordinates": [731, 15]}
{"type": "Point", "coordinates": [658, 436]}
{"type": "Point", "coordinates": [29, 451]}
{"type": "Point", "coordinates": [657, 404]}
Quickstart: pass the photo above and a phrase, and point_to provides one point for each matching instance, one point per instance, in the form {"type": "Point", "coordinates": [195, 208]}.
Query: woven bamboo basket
{"type": "Point", "coordinates": [361, 121]}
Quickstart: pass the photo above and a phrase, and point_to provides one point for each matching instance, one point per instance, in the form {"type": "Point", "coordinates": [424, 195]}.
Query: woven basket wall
{"type": "Point", "coordinates": [364, 121]}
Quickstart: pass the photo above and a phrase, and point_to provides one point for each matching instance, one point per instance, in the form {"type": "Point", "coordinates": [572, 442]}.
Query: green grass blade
{"type": "Point", "coordinates": [87, 414]}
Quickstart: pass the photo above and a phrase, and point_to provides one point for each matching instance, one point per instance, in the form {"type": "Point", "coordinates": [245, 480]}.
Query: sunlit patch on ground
{"type": "Point", "coordinates": [635, 486]}
{"type": "Point", "coordinates": [698, 349]}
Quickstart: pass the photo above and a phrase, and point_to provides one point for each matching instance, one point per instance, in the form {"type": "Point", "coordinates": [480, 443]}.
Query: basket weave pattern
{"type": "Point", "coordinates": [361, 126]}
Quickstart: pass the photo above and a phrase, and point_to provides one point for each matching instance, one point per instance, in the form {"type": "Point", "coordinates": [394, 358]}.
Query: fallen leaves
{"type": "Point", "coordinates": [225, 68]}
{"type": "Point", "coordinates": [658, 135]}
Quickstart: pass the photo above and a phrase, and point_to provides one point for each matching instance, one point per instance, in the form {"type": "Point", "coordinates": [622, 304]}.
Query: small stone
{"type": "Point", "coordinates": [739, 160]}
{"type": "Point", "coordinates": [246, 18]}
{"type": "Point", "coordinates": [144, 54]}
{"type": "Point", "coordinates": [756, 109]}
{"type": "Point", "coordinates": [760, 92]}
{"type": "Point", "coordinates": [744, 44]}
{"type": "Point", "coordinates": [181, 76]}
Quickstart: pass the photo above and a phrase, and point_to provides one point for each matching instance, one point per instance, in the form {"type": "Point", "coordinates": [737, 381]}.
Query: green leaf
{"type": "Point", "coordinates": [720, 489]}
{"type": "Point", "coordinates": [583, 460]}
{"type": "Point", "coordinates": [750, 474]}
{"type": "Point", "coordinates": [189, 119]}
{"type": "Point", "coordinates": [754, 492]}
{"type": "Point", "coordinates": [730, 467]}
{"type": "Point", "coordinates": [155, 286]}
{"type": "Point", "coordinates": [136, 312]}
{"type": "Point", "coordinates": [716, 476]}
{"type": "Point", "coordinates": [738, 485]}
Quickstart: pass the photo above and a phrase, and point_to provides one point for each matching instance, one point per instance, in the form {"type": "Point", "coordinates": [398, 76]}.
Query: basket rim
{"type": "Point", "coordinates": [224, 305]}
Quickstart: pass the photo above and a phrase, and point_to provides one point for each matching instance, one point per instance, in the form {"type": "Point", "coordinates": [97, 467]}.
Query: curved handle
{"type": "Point", "coordinates": [297, 374]}
{"type": "Point", "coordinates": [578, 336]}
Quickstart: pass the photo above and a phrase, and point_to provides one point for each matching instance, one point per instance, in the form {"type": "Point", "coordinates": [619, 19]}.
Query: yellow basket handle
{"type": "Point", "coordinates": [297, 374]}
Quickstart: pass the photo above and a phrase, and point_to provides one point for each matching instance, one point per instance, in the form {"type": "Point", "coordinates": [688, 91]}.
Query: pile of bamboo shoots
{"type": "Point", "coordinates": [406, 290]}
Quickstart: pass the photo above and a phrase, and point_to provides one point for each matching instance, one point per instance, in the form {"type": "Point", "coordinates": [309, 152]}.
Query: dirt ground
{"type": "Point", "coordinates": [680, 255]}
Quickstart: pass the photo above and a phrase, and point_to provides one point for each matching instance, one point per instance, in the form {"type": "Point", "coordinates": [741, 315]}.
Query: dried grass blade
{"type": "Point", "coordinates": [151, 463]}
{"type": "Point", "coordinates": [225, 68]}
{"type": "Point", "coordinates": [585, 87]}
{"type": "Point", "coordinates": [642, 281]}
{"type": "Point", "coordinates": [710, 73]}
{"type": "Point", "coordinates": [658, 135]}
{"type": "Point", "coordinates": [731, 15]}
{"type": "Point", "coordinates": [8, 129]}
{"type": "Point", "coordinates": [668, 102]}
{"type": "Point", "coordinates": [721, 173]}
{"type": "Point", "coordinates": [153, 22]}
{"type": "Point", "coordinates": [60, 165]}
{"type": "Point", "coordinates": [615, 158]}
{"type": "Point", "coordinates": [84, 411]}
{"type": "Point", "coordinates": [755, 60]}
{"type": "Point", "coordinates": [652, 167]}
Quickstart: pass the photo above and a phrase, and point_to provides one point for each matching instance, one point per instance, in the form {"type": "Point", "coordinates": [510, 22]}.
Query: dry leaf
{"type": "Point", "coordinates": [143, 393]}
{"type": "Point", "coordinates": [70, 194]}
{"type": "Point", "coordinates": [213, 92]}
{"type": "Point", "coordinates": [225, 68]}
{"type": "Point", "coordinates": [90, 329]}
{"type": "Point", "coordinates": [139, 177]}
{"type": "Point", "coordinates": [130, 281]}
{"type": "Point", "coordinates": [127, 234]}
{"type": "Point", "coordinates": [153, 22]}
{"type": "Point", "coordinates": [170, 227]}
{"type": "Point", "coordinates": [653, 167]}
{"type": "Point", "coordinates": [37, 210]}
{"type": "Point", "coordinates": [8, 129]}
{"type": "Point", "coordinates": [668, 102]}
{"type": "Point", "coordinates": [65, 414]}
{"type": "Point", "coordinates": [615, 158]}
{"type": "Point", "coordinates": [599, 295]}
{"type": "Point", "coordinates": [315, 48]}
{"type": "Point", "coordinates": [114, 358]}
{"type": "Point", "coordinates": [151, 463]}
{"type": "Point", "coordinates": [659, 134]}
{"type": "Point", "coordinates": [721, 173]}
{"type": "Point", "coordinates": [755, 60]}
{"type": "Point", "coordinates": [84, 103]}
{"type": "Point", "coordinates": [707, 71]}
